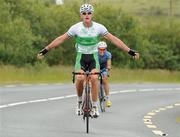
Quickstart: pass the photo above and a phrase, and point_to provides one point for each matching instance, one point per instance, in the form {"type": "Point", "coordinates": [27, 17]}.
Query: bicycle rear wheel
{"type": "Point", "coordinates": [103, 105]}
{"type": "Point", "coordinates": [102, 100]}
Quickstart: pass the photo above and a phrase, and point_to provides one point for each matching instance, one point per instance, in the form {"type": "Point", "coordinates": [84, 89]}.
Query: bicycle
{"type": "Point", "coordinates": [102, 96]}
{"type": "Point", "coordinates": [86, 104]}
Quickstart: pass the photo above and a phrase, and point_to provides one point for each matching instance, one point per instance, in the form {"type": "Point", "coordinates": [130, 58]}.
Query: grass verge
{"type": "Point", "coordinates": [62, 74]}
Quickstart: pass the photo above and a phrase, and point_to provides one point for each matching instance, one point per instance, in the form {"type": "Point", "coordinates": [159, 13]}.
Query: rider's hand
{"type": "Point", "coordinates": [41, 54]}
{"type": "Point", "coordinates": [134, 54]}
{"type": "Point", "coordinates": [108, 69]}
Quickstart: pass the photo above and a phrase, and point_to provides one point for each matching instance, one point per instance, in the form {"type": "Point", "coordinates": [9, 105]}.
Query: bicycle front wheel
{"type": "Point", "coordinates": [87, 124]}
{"type": "Point", "coordinates": [88, 107]}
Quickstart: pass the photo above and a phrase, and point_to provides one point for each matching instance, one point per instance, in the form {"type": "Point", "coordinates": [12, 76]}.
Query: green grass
{"type": "Point", "coordinates": [142, 76]}
{"type": "Point", "coordinates": [62, 74]}
{"type": "Point", "coordinates": [44, 74]}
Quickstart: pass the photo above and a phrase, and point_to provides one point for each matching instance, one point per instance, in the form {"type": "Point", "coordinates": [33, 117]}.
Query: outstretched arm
{"type": "Point", "coordinates": [58, 41]}
{"type": "Point", "coordinates": [117, 42]}
{"type": "Point", "coordinates": [120, 44]}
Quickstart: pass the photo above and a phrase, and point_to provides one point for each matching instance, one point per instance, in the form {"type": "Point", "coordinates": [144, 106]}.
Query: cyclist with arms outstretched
{"type": "Point", "coordinates": [87, 33]}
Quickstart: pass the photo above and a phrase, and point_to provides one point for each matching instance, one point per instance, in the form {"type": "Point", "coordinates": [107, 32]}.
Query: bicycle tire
{"type": "Point", "coordinates": [102, 100]}
{"type": "Point", "coordinates": [87, 107]}
{"type": "Point", "coordinates": [102, 106]}
{"type": "Point", "coordinates": [87, 124]}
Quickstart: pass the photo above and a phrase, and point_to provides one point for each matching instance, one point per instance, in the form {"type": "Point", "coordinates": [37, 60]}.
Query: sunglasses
{"type": "Point", "coordinates": [84, 13]}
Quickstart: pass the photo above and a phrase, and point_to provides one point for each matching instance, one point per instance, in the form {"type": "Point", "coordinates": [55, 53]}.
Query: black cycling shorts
{"type": "Point", "coordinates": [86, 62]}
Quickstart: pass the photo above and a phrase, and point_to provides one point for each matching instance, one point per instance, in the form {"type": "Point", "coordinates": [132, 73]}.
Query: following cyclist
{"type": "Point", "coordinates": [105, 66]}
{"type": "Point", "coordinates": [87, 33]}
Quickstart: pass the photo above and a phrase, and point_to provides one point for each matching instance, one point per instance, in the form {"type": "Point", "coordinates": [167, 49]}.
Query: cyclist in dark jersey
{"type": "Point", "coordinates": [105, 66]}
{"type": "Point", "coordinates": [87, 34]}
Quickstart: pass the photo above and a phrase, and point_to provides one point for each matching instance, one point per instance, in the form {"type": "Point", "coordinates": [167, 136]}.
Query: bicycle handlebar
{"type": "Point", "coordinates": [87, 73]}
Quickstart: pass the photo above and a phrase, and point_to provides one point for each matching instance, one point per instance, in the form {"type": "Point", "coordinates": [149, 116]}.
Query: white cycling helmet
{"type": "Point", "coordinates": [102, 44]}
{"type": "Point", "coordinates": [86, 8]}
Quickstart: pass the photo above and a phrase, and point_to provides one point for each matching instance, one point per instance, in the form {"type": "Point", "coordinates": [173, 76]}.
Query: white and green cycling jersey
{"type": "Point", "coordinates": [87, 38]}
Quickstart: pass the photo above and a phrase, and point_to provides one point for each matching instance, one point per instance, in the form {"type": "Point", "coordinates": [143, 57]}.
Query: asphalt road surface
{"type": "Point", "coordinates": [138, 110]}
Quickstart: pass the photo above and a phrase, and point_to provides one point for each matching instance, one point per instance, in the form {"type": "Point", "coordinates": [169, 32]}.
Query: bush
{"type": "Point", "coordinates": [27, 26]}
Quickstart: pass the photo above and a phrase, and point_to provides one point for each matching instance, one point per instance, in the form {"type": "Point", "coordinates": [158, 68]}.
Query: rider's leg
{"type": "Point", "coordinates": [79, 78]}
{"type": "Point", "coordinates": [95, 93]}
{"type": "Point", "coordinates": [79, 85]}
{"type": "Point", "coordinates": [106, 85]}
{"type": "Point", "coordinates": [79, 90]}
{"type": "Point", "coordinates": [94, 67]}
{"type": "Point", "coordinates": [95, 86]}
{"type": "Point", "coordinates": [106, 88]}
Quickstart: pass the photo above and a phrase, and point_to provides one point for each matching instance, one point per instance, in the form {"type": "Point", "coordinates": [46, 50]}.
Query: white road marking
{"type": "Point", "coordinates": [169, 107]}
{"type": "Point", "coordinates": [158, 132]}
{"type": "Point", "coordinates": [70, 96]}
{"type": "Point", "coordinates": [148, 123]}
{"type": "Point", "coordinates": [156, 111]}
{"type": "Point", "coordinates": [162, 109]}
{"type": "Point", "coordinates": [3, 106]}
{"type": "Point", "coordinates": [148, 117]}
{"type": "Point", "coordinates": [10, 86]}
{"type": "Point", "coordinates": [177, 104]}
{"type": "Point", "coordinates": [73, 95]}
{"type": "Point", "coordinates": [39, 100]}
{"type": "Point", "coordinates": [56, 98]}
{"type": "Point", "coordinates": [127, 91]}
{"type": "Point", "coordinates": [151, 113]}
{"type": "Point", "coordinates": [165, 89]}
{"type": "Point", "coordinates": [146, 120]}
{"type": "Point", "coordinates": [114, 92]}
{"type": "Point", "coordinates": [147, 89]}
{"type": "Point", "coordinates": [151, 126]}
{"type": "Point", "coordinates": [15, 104]}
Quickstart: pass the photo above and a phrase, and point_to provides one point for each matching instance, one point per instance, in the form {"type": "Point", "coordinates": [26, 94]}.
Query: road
{"type": "Point", "coordinates": [139, 110]}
